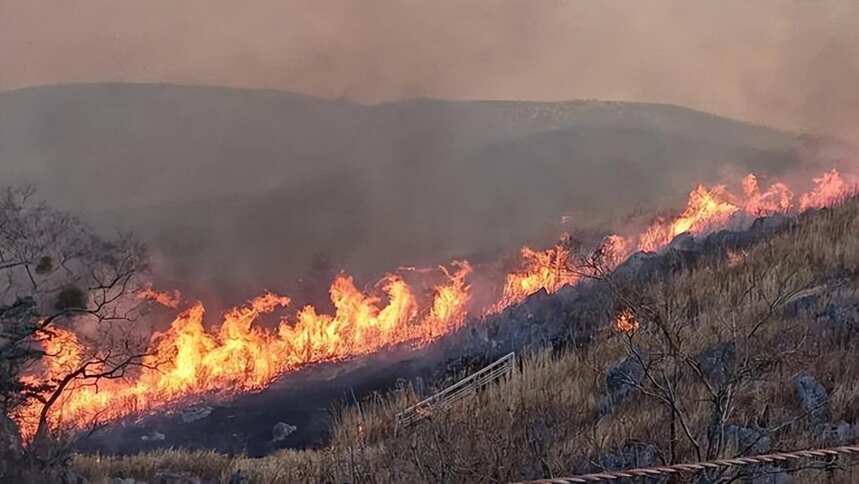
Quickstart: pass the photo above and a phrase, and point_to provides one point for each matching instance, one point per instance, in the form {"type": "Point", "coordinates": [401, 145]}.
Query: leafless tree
{"type": "Point", "coordinates": [682, 321]}
{"type": "Point", "coordinates": [56, 274]}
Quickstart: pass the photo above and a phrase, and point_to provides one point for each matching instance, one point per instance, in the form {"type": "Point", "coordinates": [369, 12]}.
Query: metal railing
{"type": "Point", "coordinates": [467, 386]}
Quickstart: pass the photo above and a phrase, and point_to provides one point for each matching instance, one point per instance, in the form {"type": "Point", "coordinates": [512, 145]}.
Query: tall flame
{"type": "Point", "coordinates": [547, 269]}
{"type": "Point", "coordinates": [188, 360]}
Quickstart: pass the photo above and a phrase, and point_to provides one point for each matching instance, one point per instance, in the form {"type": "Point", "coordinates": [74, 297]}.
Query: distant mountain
{"type": "Point", "coordinates": [237, 190]}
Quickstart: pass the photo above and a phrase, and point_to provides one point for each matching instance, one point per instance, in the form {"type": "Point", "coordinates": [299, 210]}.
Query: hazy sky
{"type": "Point", "coordinates": [790, 64]}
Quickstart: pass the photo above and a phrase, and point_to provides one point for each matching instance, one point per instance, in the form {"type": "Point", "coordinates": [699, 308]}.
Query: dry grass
{"type": "Point", "coordinates": [544, 421]}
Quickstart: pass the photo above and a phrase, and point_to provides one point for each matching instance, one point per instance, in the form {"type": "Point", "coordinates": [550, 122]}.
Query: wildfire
{"type": "Point", "coordinates": [191, 359]}
{"type": "Point", "coordinates": [625, 322]}
{"type": "Point", "coordinates": [188, 360]}
{"type": "Point", "coordinates": [547, 269]}
{"type": "Point", "coordinates": [829, 188]}
{"type": "Point", "coordinates": [169, 300]}
{"type": "Point", "coordinates": [710, 208]}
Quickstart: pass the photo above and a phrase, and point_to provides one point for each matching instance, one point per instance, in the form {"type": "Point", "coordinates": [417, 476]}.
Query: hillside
{"type": "Point", "coordinates": [222, 182]}
{"type": "Point", "coordinates": [742, 343]}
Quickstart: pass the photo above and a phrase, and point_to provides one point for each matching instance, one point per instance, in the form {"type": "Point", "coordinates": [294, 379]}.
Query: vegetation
{"type": "Point", "coordinates": [55, 273]}
{"type": "Point", "coordinates": [781, 309]}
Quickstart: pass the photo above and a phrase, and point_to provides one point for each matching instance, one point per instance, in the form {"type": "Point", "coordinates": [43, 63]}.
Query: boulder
{"type": "Point", "coordinates": [621, 380]}
{"type": "Point", "coordinates": [175, 478]}
{"type": "Point", "coordinates": [813, 399]}
{"type": "Point", "coordinates": [153, 436]}
{"type": "Point", "coordinates": [630, 456]}
{"type": "Point", "coordinates": [717, 362]}
{"type": "Point", "coordinates": [747, 440]}
{"type": "Point", "coordinates": [281, 431]}
{"type": "Point", "coordinates": [839, 433]}
{"type": "Point", "coordinates": [195, 413]}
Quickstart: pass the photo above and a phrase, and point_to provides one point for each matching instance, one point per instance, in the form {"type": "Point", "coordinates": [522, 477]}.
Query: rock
{"type": "Point", "coordinates": [747, 440]}
{"type": "Point", "coordinates": [120, 480]}
{"type": "Point", "coordinates": [813, 399]}
{"type": "Point", "coordinates": [629, 456]}
{"type": "Point", "coordinates": [281, 431]}
{"type": "Point", "coordinates": [763, 226]}
{"type": "Point", "coordinates": [238, 478]}
{"type": "Point", "coordinates": [684, 241]}
{"type": "Point", "coordinates": [770, 474]}
{"type": "Point", "coordinates": [153, 436]}
{"type": "Point", "coordinates": [635, 264]}
{"type": "Point", "coordinates": [10, 448]}
{"type": "Point", "coordinates": [175, 478]}
{"type": "Point", "coordinates": [722, 240]}
{"type": "Point", "coordinates": [842, 319]}
{"type": "Point", "coordinates": [69, 477]}
{"type": "Point", "coordinates": [193, 414]}
{"type": "Point", "coordinates": [840, 433]}
{"type": "Point", "coordinates": [805, 306]}
{"type": "Point", "coordinates": [620, 382]}
{"type": "Point", "coordinates": [717, 362]}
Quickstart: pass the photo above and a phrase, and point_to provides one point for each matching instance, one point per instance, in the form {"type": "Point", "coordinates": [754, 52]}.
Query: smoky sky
{"type": "Point", "coordinates": [787, 64]}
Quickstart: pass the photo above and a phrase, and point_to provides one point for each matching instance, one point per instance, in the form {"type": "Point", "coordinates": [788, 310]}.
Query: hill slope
{"type": "Point", "coordinates": [742, 347]}
{"type": "Point", "coordinates": [238, 188]}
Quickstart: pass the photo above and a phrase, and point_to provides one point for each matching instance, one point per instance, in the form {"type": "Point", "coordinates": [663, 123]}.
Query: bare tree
{"type": "Point", "coordinates": [702, 341]}
{"type": "Point", "coordinates": [57, 275]}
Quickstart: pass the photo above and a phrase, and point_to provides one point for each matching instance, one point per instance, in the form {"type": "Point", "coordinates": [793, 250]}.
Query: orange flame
{"type": "Point", "coordinates": [707, 207]}
{"type": "Point", "coordinates": [189, 361]}
{"type": "Point", "coordinates": [169, 300]}
{"type": "Point", "coordinates": [829, 189]}
{"type": "Point", "coordinates": [625, 322]}
{"type": "Point", "coordinates": [547, 269]}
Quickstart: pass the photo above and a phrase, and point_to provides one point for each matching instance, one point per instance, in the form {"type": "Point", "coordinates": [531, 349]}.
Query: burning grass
{"type": "Point", "coordinates": [190, 360]}
{"type": "Point", "coordinates": [548, 420]}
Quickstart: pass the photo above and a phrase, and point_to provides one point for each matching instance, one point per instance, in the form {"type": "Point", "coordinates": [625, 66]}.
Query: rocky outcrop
{"type": "Point", "coordinates": [281, 431]}
{"type": "Point", "coordinates": [717, 362]}
{"type": "Point", "coordinates": [621, 381]}
{"type": "Point", "coordinates": [813, 399]}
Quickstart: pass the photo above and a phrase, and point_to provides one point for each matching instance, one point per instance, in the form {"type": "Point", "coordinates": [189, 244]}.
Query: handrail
{"type": "Point", "coordinates": [459, 390]}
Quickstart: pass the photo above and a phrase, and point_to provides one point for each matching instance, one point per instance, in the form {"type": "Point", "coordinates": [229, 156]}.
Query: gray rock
{"type": "Point", "coordinates": [747, 440]}
{"type": "Point", "coordinates": [120, 480]}
{"type": "Point", "coordinates": [629, 456]}
{"type": "Point", "coordinates": [238, 478]}
{"type": "Point", "coordinates": [841, 319]}
{"type": "Point", "coordinates": [10, 447]}
{"type": "Point", "coordinates": [769, 224]}
{"type": "Point", "coordinates": [685, 241]}
{"type": "Point", "coordinates": [153, 436]}
{"type": "Point", "coordinates": [717, 362]}
{"type": "Point", "coordinates": [175, 478]}
{"type": "Point", "coordinates": [813, 399]}
{"type": "Point", "coordinates": [70, 477]}
{"type": "Point", "coordinates": [770, 474]}
{"type": "Point", "coordinates": [839, 433]}
{"type": "Point", "coordinates": [621, 380]}
{"type": "Point", "coordinates": [193, 414]}
{"type": "Point", "coordinates": [281, 431]}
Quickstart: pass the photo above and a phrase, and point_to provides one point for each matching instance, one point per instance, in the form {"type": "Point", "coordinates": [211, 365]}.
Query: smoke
{"type": "Point", "coordinates": [787, 64]}
{"type": "Point", "coordinates": [242, 190]}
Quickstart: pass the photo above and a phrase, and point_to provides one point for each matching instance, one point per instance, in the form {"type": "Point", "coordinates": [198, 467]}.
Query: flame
{"type": "Point", "coordinates": [169, 300]}
{"type": "Point", "coordinates": [706, 208]}
{"type": "Point", "coordinates": [829, 189]}
{"type": "Point", "coordinates": [625, 322]}
{"type": "Point", "coordinates": [777, 199]}
{"type": "Point", "coordinates": [188, 360]}
{"type": "Point", "coordinates": [256, 343]}
{"type": "Point", "coordinates": [547, 269]}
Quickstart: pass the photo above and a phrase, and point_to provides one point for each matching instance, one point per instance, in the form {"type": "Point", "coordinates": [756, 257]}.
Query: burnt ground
{"type": "Point", "coordinates": [304, 399]}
